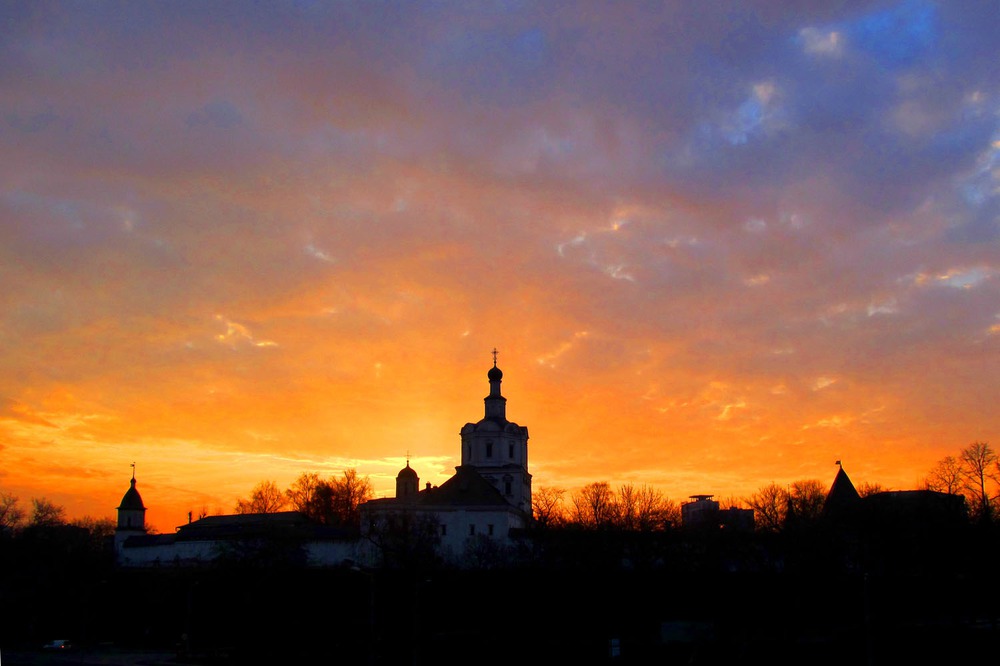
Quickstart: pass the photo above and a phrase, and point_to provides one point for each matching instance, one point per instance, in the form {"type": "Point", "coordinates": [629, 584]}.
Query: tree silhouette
{"type": "Point", "coordinates": [868, 488]}
{"type": "Point", "coordinates": [946, 476]}
{"type": "Point", "coordinates": [632, 508]}
{"type": "Point", "coordinates": [11, 514]}
{"type": "Point", "coordinates": [265, 497]}
{"type": "Point", "coordinates": [547, 507]}
{"type": "Point", "coordinates": [350, 491]}
{"type": "Point", "coordinates": [308, 495]}
{"type": "Point", "coordinates": [333, 501]}
{"type": "Point", "coordinates": [45, 513]}
{"type": "Point", "coordinates": [770, 505]}
{"type": "Point", "coordinates": [805, 502]}
{"type": "Point", "coordinates": [644, 509]}
{"type": "Point", "coordinates": [594, 505]}
{"type": "Point", "coordinates": [979, 471]}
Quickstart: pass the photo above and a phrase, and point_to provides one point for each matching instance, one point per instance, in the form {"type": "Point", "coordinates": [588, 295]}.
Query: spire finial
{"type": "Point", "coordinates": [495, 352]}
{"type": "Point", "coordinates": [133, 471]}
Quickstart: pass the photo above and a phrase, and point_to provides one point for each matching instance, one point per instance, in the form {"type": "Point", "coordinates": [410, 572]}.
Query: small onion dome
{"type": "Point", "coordinates": [407, 472]}
{"type": "Point", "coordinates": [131, 501]}
{"type": "Point", "coordinates": [494, 374]}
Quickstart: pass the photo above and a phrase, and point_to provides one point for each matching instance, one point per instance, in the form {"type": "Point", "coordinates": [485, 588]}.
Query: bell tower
{"type": "Point", "coordinates": [498, 448]}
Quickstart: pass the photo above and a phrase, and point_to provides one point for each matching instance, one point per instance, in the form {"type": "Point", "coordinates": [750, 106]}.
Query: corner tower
{"type": "Point", "coordinates": [131, 511]}
{"type": "Point", "coordinates": [131, 516]}
{"type": "Point", "coordinates": [498, 448]}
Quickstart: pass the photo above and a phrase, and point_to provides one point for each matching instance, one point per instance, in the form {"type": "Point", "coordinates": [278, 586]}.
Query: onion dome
{"type": "Point", "coordinates": [131, 501]}
{"type": "Point", "coordinates": [494, 375]}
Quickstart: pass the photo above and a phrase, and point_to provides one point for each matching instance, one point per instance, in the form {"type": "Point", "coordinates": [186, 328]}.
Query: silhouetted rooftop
{"type": "Point", "coordinates": [842, 496]}
{"type": "Point", "coordinates": [257, 524]}
{"type": "Point", "coordinates": [132, 501]}
{"type": "Point", "coordinates": [466, 488]}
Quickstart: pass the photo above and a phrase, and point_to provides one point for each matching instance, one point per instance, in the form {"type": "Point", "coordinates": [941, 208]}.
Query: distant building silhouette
{"type": "Point", "coordinates": [898, 531]}
{"type": "Point", "coordinates": [892, 509]}
{"type": "Point", "coordinates": [704, 513]}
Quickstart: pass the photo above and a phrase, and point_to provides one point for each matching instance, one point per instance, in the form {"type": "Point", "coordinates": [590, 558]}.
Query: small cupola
{"type": "Point", "coordinates": [496, 404]}
{"type": "Point", "coordinates": [131, 511]}
{"type": "Point", "coordinates": [407, 483]}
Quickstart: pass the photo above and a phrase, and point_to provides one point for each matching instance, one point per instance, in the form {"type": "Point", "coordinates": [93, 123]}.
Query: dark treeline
{"type": "Point", "coordinates": [973, 474]}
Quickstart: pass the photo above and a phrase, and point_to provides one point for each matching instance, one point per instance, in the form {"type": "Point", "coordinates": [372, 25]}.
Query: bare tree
{"type": "Point", "coordinates": [769, 504]}
{"type": "Point", "coordinates": [265, 497]}
{"type": "Point", "coordinates": [547, 506]}
{"type": "Point", "coordinates": [305, 495]}
{"type": "Point", "coordinates": [626, 507]}
{"type": "Point", "coordinates": [99, 530]}
{"type": "Point", "coordinates": [11, 514]}
{"type": "Point", "coordinates": [594, 505]}
{"type": "Point", "coordinates": [733, 502]}
{"type": "Point", "coordinates": [98, 527]}
{"type": "Point", "coordinates": [350, 492]}
{"type": "Point", "coordinates": [333, 501]}
{"type": "Point", "coordinates": [946, 476]}
{"type": "Point", "coordinates": [671, 513]}
{"type": "Point", "coordinates": [869, 488]}
{"type": "Point", "coordinates": [978, 462]}
{"type": "Point", "coordinates": [644, 508]}
{"type": "Point", "coordinates": [46, 514]}
{"type": "Point", "coordinates": [805, 501]}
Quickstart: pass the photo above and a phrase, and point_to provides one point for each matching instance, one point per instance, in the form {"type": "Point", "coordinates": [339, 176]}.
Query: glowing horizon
{"type": "Point", "coordinates": [716, 249]}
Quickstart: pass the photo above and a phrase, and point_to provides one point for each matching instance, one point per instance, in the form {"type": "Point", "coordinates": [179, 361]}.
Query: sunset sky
{"type": "Point", "coordinates": [717, 244]}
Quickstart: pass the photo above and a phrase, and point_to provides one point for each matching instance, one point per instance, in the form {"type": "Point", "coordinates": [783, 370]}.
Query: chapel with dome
{"type": "Point", "coordinates": [490, 492]}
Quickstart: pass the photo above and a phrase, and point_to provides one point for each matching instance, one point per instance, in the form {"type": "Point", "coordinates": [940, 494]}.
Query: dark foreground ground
{"type": "Point", "coordinates": [102, 656]}
{"type": "Point", "coordinates": [515, 617]}
{"type": "Point", "coordinates": [679, 643]}
{"type": "Point", "coordinates": [589, 598]}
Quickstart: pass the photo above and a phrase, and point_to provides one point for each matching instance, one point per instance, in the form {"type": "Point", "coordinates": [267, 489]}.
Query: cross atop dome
{"type": "Point", "coordinates": [494, 375]}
